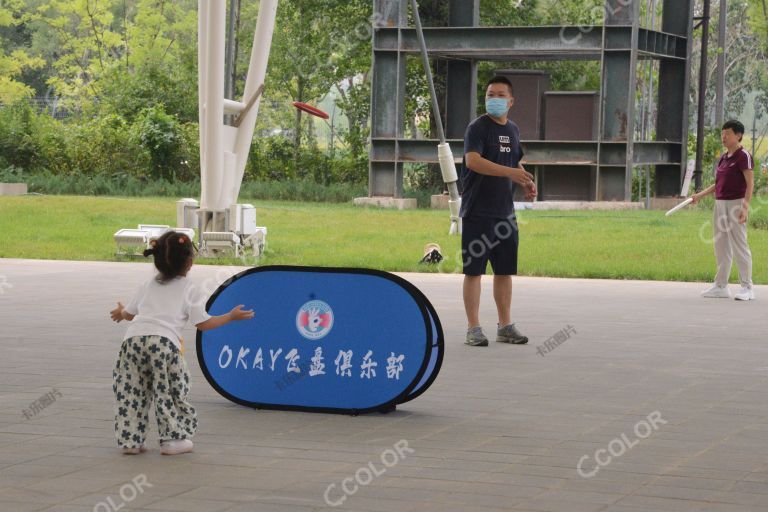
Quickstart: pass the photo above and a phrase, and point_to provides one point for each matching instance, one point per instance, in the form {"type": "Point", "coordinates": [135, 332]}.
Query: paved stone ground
{"type": "Point", "coordinates": [503, 428]}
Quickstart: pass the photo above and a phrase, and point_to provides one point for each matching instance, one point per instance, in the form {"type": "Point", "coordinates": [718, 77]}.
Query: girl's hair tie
{"type": "Point", "coordinates": [182, 239]}
{"type": "Point", "coordinates": [153, 243]}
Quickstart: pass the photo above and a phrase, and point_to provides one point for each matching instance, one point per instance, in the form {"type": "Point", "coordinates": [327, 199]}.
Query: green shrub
{"type": "Point", "coordinates": [104, 146]}
{"type": "Point", "coordinates": [189, 153]}
{"type": "Point", "coordinates": [160, 135]}
{"type": "Point", "coordinates": [761, 179]}
{"type": "Point", "coordinates": [271, 158]}
{"type": "Point", "coordinates": [18, 144]}
{"type": "Point", "coordinates": [758, 218]}
{"type": "Point", "coordinates": [713, 148]}
{"type": "Point", "coordinates": [277, 159]}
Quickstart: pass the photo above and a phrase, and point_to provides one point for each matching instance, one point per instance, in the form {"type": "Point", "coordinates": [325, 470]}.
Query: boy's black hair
{"type": "Point", "coordinates": [736, 126]}
{"type": "Point", "coordinates": [502, 80]}
{"type": "Point", "coordinates": [172, 252]}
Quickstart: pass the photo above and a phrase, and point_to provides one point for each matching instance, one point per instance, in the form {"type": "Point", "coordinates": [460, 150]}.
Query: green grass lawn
{"type": "Point", "coordinates": [620, 245]}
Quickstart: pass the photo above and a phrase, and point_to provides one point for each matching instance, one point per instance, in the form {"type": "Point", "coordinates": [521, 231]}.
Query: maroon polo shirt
{"type": "Point", "coordinates": [730, 182]}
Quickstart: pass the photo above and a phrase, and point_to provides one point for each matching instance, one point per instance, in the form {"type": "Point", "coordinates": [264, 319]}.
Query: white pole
{"type": "Point", "coordinates": [202, 71]}
{"type": "Point", "coordinates": [214, 110]}
{"type": "Point", "coordinates": [444, 154]}
{"type": "Point", "coordinates": [257, 71]}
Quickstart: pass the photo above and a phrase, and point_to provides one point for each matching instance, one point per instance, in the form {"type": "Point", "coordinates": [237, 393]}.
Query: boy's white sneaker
{"type": "Point", "coordinates": [176, 447]}
{"type": "Point", "coordinates": [716, 292]}
{"type": "Point", "coordinates": [745, 294]}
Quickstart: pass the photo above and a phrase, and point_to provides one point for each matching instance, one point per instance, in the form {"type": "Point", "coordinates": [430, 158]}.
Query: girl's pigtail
{"type": "Point", "coordinates": [151, 251]}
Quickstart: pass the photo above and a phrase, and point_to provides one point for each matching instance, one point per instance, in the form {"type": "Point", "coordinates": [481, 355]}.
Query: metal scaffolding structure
{"type": "Point", "coordinates": [618, 45]}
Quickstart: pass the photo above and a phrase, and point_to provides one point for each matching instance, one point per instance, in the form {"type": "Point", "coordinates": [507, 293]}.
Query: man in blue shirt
{"type": "Point", "coordinates": [490, 174]}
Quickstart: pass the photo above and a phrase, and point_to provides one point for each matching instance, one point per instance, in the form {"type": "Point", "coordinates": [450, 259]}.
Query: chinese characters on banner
{"type": "Point", "coordinates": [344, 362]}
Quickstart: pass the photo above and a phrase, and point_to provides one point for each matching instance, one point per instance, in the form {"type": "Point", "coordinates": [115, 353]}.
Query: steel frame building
{"type": "Point", "coordinates": [619, 45]}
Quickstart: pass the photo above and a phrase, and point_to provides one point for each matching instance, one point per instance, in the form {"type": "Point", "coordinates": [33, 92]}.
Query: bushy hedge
{"type": "Point", "coordinates": [278, 159]}
{"type": "Point", "coordinates": [154, 147]}
{"type": "Point", "coordinates": [95, 147]}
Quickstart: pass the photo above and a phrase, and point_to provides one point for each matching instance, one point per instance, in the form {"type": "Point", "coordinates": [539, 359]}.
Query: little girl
{"type": "Point", "coordinates": [151, 366]}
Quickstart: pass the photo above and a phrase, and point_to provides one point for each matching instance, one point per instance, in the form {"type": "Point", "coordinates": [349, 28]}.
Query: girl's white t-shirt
{"type": "Point", "coordinates": [163, 309]}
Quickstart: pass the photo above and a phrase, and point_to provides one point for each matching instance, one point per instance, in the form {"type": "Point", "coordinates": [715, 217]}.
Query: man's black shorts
{"type": "Point", "coordinates": [486, 239]}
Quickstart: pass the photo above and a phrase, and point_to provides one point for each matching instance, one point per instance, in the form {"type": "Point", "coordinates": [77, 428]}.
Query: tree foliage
{"type": "Point", "coordinates": [14, 62]}
{"type": "Point", "coordinates": [127, 71]}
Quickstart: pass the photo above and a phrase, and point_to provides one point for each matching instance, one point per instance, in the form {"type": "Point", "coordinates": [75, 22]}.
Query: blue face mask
{"type": "Point", "coordinates": [497, 107]}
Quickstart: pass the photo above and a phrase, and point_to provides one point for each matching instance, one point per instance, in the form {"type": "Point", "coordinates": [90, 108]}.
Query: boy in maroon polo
{"type": "Point", "coordinates": [734, 184]}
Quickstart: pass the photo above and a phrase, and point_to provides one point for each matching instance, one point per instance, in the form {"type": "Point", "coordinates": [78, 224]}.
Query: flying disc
{"type": "Point", "coordinates": [680, 206]}
{"type": "Point", "coordinates": [309, 109]}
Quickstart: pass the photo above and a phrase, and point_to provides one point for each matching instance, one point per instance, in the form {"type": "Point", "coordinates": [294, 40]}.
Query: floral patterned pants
{"type": "Point", "coordinates": [150, 368]}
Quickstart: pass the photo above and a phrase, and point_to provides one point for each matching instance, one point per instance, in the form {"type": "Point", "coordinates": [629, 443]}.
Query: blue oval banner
{"type": "Point", "coordinates": [323, 339]}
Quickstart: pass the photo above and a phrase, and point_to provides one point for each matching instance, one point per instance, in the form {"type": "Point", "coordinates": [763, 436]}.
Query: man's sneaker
{"type": "Point", "coordinates": [510, 334]}
{"type": "Point", "coordinates": [476, 338]}
{"type": "Point", "coordinates": [745, 294]}
{"type": "Point", "coordinates": [176, 447]}
{"type": "Point", "coordinates": [716, 292]}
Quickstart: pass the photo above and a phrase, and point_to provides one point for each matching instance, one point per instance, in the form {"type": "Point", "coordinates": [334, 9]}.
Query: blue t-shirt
{"type": "Point", "coordinates": [490, 196]}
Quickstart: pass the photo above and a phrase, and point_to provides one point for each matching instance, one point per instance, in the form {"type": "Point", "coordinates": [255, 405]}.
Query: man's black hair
{"type": "Point", "coordinates": [502, 80]}
{"type": "Point", "coordinates": [736, 126]}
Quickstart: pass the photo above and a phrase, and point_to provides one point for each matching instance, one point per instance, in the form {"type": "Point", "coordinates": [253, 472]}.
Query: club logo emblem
{"type": "Point", "coordinates": [314, 320]}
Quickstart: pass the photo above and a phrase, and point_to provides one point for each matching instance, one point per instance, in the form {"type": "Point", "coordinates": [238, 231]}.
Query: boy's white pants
{"type": "Point", "coordinates": [731, 242]}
